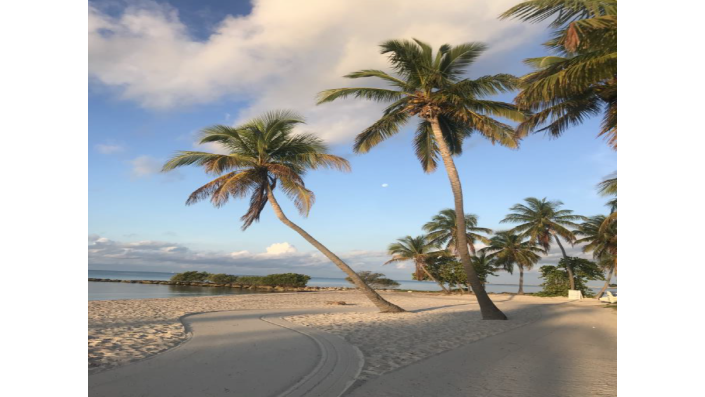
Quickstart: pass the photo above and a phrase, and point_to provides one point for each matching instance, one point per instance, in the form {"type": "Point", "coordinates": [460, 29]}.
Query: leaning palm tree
{"type": "Point", "coordinates": [442, 230]}
{"type": "Point", "coordinates": [541, 220]}
{"type": "Point", "coordinates": [417, 249]}
{"type": "Point", "coordinates": [509, 249]}
{"type": "Point", "coordinates": [265, 153]}
{"type": "Point", "coordinates": [450, 108]}
{"type": "Point", "coordinates": [579, 79]}
{"type": "Point", "coordinates": [600, 237]}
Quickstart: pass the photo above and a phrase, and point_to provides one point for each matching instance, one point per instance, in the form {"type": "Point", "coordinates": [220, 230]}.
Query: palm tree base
{"type": "Point", "coordinates": [393, 309]}
{"type": "Point", "coordinates": [498, 315]}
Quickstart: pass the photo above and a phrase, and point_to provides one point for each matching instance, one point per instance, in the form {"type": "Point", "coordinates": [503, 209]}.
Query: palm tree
{"type": "Point", "coordinates": [263, 153]}
{"type": "Point", "coordinates": [601, 239]}
{"type": "Point", "coordinates": [417, 249]}
{"type": "Point", "coordinates": [442, 230]}
{"type": "Point", "coordinates": [485, 266]}
{"type": "Point", "coordinates": [579, 79]}
{"type": "Point", "coordinates": [540, 220]}
{"type": "Point", "coordinates": [608, 187]}
{"type": "Point", "coordinates": [509, 249]}
{"type": "Point", "coordinates": [450, 109]}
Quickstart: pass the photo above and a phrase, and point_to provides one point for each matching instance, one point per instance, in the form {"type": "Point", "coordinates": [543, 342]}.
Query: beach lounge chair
{"type": "Point", "coordinates": [609, 298]}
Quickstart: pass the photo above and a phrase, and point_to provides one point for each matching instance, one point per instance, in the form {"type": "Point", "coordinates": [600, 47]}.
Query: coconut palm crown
{"type": "Point", "coordinates": [509, 249]}
{"type": "Point", "coordinates": [442, 230]}
{"type": "Point", "coordinates": [579, 79]}
{"type": "Point", "coordinates": [601, 240]}
{"type": "Point", "coordinates": [608, 187]}
{"type": "Point", "coordinates": [432, 86]}
{"type": "Point", "coordinates": [263, 153]}
{"type": "Point", "coordinates": [417, 249]}
{"type": "Point", "coordinates": [541, 219]}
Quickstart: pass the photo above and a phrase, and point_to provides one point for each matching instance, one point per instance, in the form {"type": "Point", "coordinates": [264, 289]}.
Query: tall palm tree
{"type": "Point", "coordinates": [579, 79]}
{"type": "Point", "coordinates": [601, 239]}
{"type": "Point", "coordinates": [263, 153]}
{"type": "Point", "coordinates": [442, 230]}
{"type": "Point", "coordinates": [417, 249]}
{"type": "Point", "coordinates": [450, 108]}
{"type": "Point", "coordinates": [541, 220]}
{"type": "Point", "coordinates": [509, 249]}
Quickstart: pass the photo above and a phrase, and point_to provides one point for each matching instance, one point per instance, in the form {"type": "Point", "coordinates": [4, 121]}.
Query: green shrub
{"type": "Point", "coordinates": [190, 277]}
{"type": "Point", "coordinates": [222, 278]}
{"type": "Point", "coordinates": [294, 280]}
{"type": "Point", "coordinates": [556, 277]}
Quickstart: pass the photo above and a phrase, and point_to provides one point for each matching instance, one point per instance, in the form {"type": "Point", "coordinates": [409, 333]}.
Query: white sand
{"type": "Point", "coordinates": [127, 330]}
{"type": "Point", "coordinates": [391, 341]}
{"type": "Point", "coordinates": [570, 351]}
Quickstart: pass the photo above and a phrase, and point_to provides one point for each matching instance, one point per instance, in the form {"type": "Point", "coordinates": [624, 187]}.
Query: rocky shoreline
{"type": "Point", "coordinates": [234, 285]}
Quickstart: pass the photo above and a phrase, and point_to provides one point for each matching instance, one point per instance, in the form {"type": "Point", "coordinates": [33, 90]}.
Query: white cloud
{"type": "Point", "coordinates": [210, 147]}
{"type": "Point", "coordinates": [385, 185]}
{"type": "Point", "coordinates": [281, 249]}
{"type": "Point", "coordinates": [145, 166]}
{"type": "Point", "coordinates": [107, 148]}
{"type": "Point", "coordinates": [168, 256]}
{"type": "Point", "coordinates": [281, 54]}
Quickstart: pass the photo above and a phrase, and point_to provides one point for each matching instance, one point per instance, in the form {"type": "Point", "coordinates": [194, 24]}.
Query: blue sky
{"type": "Point", "coordinates": [158, 72]}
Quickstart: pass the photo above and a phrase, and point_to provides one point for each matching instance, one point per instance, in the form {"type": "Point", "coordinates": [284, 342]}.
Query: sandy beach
{"type": "Point", "coordinates": [125, 331]}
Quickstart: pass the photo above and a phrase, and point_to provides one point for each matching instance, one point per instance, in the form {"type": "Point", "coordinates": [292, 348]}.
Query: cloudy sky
{"type": "Point", "coordinates": [161, 71]}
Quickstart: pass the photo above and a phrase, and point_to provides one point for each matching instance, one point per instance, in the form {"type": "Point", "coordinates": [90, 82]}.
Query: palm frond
{"type": "Point", "coordinates": [382, 129]}
{"type": "Point", "coordinates": [379, 74]}
{"type": "Point", "coordinates": [373, 94]}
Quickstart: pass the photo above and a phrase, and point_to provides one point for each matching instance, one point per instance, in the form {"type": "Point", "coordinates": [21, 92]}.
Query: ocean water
{"type": "Point", "coordinates": [111, 291]}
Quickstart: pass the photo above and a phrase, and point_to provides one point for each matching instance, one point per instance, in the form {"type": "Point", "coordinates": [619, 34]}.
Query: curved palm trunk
{"type": "Point", "coordinates": [521, 280]}
{"type": "Point", "coordinates": [571, 278]}
{"type": "Point", "coordinates": [607, 283]}
{"type": "Point", "coordinates": [383, 305]}
{"type": "Point", "coordinates": [443, 287]}
{"type": "Point", "coordinates": [489, 310]}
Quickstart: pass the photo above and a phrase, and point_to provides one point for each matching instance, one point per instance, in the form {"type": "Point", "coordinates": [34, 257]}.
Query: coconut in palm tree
{"type": "Point", "coordinates": [265, 154]}
{"type": "Point", "coordinates": [509, 249]}
{"type": "Point", "coordinates": [417, 249]}
{"type": "Point", "coordinates": [449, 109]}
{"type": "Point", "coordinates": [543, 220]}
